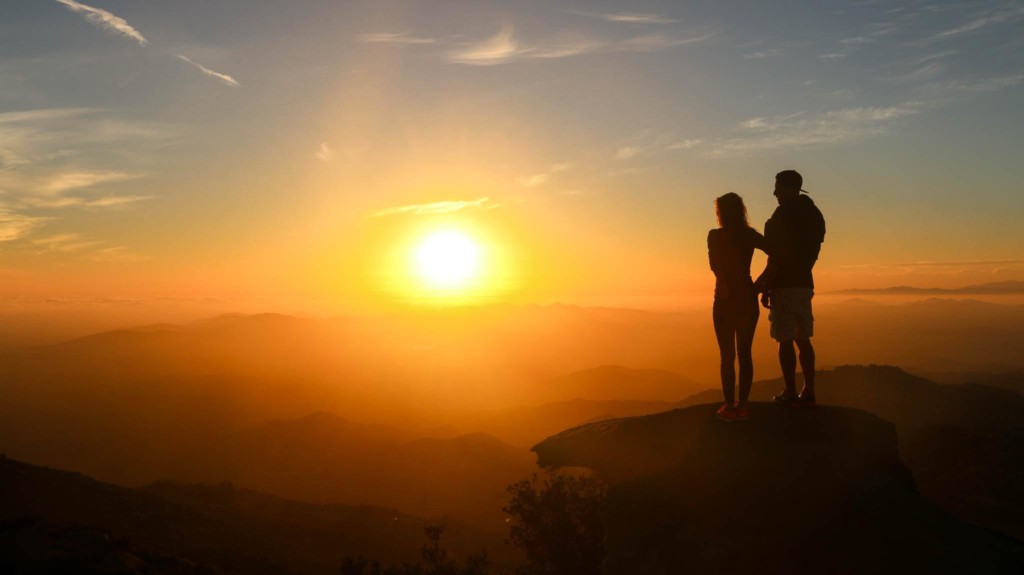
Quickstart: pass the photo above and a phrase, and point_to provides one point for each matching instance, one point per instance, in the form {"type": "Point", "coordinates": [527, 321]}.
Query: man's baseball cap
{"type": "Point", "coordinates": [791, 178]}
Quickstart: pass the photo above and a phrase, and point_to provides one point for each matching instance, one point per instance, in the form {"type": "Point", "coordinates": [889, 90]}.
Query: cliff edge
{"type": "Point", "coordinates": [789, 491]}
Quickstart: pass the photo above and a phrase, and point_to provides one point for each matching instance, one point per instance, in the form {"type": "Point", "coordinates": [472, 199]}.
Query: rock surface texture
{"type": "Point", "coordinates": [789, 491]}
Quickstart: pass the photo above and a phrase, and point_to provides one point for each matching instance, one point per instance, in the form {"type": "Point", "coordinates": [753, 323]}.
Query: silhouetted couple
{"type": "Point", "coordinates": [792, 239]}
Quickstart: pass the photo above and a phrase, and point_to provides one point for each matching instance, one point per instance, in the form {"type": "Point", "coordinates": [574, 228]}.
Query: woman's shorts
{"type": "Point", "coordinates": [791, 316]}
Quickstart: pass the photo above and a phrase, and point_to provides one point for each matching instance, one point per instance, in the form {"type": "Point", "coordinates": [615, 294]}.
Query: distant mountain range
{"type": "Point", "coordinates": [55, 521]}
{"type": "Point", "coordinates": [1011, 287]}
{"type": "Point", "coordinates": [324, 458]}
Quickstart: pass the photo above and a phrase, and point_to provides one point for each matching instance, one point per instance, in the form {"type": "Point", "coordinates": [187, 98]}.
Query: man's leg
{"type": "Point", "coordinates": [806, 366]}
{"type": "Point", "coordinates": [787, 361]}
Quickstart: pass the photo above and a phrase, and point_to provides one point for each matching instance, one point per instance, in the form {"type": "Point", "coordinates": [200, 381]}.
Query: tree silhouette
{"type": "Point", "coordinates": [557, 520]}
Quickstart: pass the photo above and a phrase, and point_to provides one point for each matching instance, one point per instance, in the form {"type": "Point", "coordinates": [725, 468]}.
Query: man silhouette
{"type": "Point", "coordinates": [793, 235]}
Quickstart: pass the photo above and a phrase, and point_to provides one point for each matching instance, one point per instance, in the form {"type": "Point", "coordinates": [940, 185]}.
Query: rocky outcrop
{"type": "Point", "coordinates": [789, 491]}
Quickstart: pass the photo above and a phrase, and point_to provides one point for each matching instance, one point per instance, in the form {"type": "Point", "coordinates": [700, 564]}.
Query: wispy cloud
{"type": "Point", "coordinates": [803, 130]}
{"type": "Point", "coordinates": [993, 84]}
{"type": "Point", "coordinates": [848, 46]}
{"type": "Point", "coordinates": [979, 21]}
{"type": "Point", "coordinates": [920, 264]}
{"type": "Point", "coordinates": [685, 144]}
{"type": "Point", "coordinates": [856, 41]}
{"type": "Point", "coordinates": [655, 42]}
{"type": "Point", "coordinates": [500, 48]}
{"type": "Point", "coordinates": [925, 72]}
{"type": "Point", "coordinates": [114, 201]}
{"type": "Point", "coordinates": [42, 115]}
{"type": "Point", "coordinates": [634, 18]}
{"type": "Point", "coordinates": [770, 53]}
{"type": "Point", "coordinates": [566, 47]}
{"type": "Point", "coordinates": [945, 92]}
{"type": "Point", "coordinates": [64, 243]}
{"type": "Point", "coordinates": [83, 179]}
{"type": "Point", "coordinates": [117, 255]}
{"type": "Point", "coordinates": [14, 225]}
{"type": "Point", "coordinates": [224, 78]}
{"type": "Point", "coordinates": [542, 178]}
{"type": "Point", "coordinates": [437, 207]}
{"type": "Point", "coordinates": [106, 20]}
{"type": "Point", "coordinates": [34, 136]}
{"type": "Point", "coordinates": [505, 47]}
{"type": "Point", "coordinates": [627, 152]}
{"type": "Point", "coordinates": [534, 180]}
{"type": "Point", "coordinates": [394, 38]}
{"type": "Point", "coordinates": [77, 201]}
{"type": "Point", "coordinates": [325, 153]}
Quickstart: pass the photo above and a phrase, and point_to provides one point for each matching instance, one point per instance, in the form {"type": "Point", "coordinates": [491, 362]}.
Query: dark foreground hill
{"type": "Point", "coordinates": [807, 491]}
{"type": "Point", "coordinates": [964, 443]}
{"type": "Point", "coordinates": [47, 514]}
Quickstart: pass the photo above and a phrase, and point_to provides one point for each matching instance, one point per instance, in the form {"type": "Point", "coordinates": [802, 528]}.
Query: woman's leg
{"type": "Point", "coordinates": [746, 326]}
{"type": "Point", "coordinates": [725, 332]}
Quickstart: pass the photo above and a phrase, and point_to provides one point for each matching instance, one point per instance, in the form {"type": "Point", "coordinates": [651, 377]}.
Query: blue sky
{"type": "Point", "coordinates": [179, 146]}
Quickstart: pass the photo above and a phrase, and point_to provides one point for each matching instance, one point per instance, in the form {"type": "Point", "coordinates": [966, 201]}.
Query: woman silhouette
{"type": "Point", "coordinates": [730, 249]}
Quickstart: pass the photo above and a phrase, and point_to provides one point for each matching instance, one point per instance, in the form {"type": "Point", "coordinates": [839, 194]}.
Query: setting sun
{"type": "Point", "coordinates": [447, 259]}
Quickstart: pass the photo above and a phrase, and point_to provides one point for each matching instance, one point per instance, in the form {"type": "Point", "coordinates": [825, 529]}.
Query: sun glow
{"type": "Point", "coordinates": [447, 259]}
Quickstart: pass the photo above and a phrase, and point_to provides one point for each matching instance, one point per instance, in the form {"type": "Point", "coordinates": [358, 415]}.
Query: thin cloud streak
{"type": "Point", "coordinates": [504, 47]}
{"type": "Point", "coordinates": [771, 53]}
{"type": "Point", "coordinates": [14, 226]}
{"type": "Point", "coordinates": [685, 144]}
{"type": "Point", "coordinates": [656, 42]}
{"type": "Point", "coordinates": [84, 179]}
{"type": "Point", "coordinates": [117, 255]}
{"type": "Point", "coordinates": [399, 38]}
{"type": "Point", "coordinates": [437, 207]}
{"type": "Point", "coordinates": [42, 115]}
{"type": "Point", "coordinates": [64, 243]}
{"type": "Point", "coordinates": [543, 177]}
{"type": "Point", "coordinates": [937, 264]}
{"type": "Point", "coordinates": [533, 181]}
{"type": "Point", "coordinates": [498, 49]}
{"type": "Point", "coordinates": [105, 20]}
{"type": "Point", "coordinates": [801, 130]}
{"type": "Point", "coordinates": [635, 18]}
{"type": "Point", "coordinates": [325, 153]}
{"type": "Point", "coordinates": [211, 73]}
{"type": "Point", "coordinates": [75, 201]}
{"type": "Point", "coordinates": [627, 152]}
{"type": "Point", "coordinates": [980, 21]}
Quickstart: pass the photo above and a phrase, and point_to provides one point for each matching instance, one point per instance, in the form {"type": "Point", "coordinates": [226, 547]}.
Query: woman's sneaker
{"type": "Point", "coordinates": [726, 413]}
{"type": "Point", "coordinates": [742, 413]}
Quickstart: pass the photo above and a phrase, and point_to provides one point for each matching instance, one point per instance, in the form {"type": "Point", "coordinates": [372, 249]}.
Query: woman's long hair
{"type": "Point", "coordinates": [730, 211]}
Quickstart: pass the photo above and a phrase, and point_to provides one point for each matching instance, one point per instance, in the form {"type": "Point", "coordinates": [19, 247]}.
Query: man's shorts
{"type": "Point", "coordinates": [791, 316]}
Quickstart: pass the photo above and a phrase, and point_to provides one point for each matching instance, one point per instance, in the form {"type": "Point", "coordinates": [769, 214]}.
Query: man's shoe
{"type": "Point", "coordinates": [742, 413]}
{"type": "Point", "coordinates": [786, 397]}
{"type": "Point", "coordinates": [804, 401]}
{"type": "Point", "coordinates": [726, 413]}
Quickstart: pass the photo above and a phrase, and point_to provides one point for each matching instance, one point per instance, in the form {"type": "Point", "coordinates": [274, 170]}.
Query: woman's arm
{"type": "Point", "coordinates": [714, 252]}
